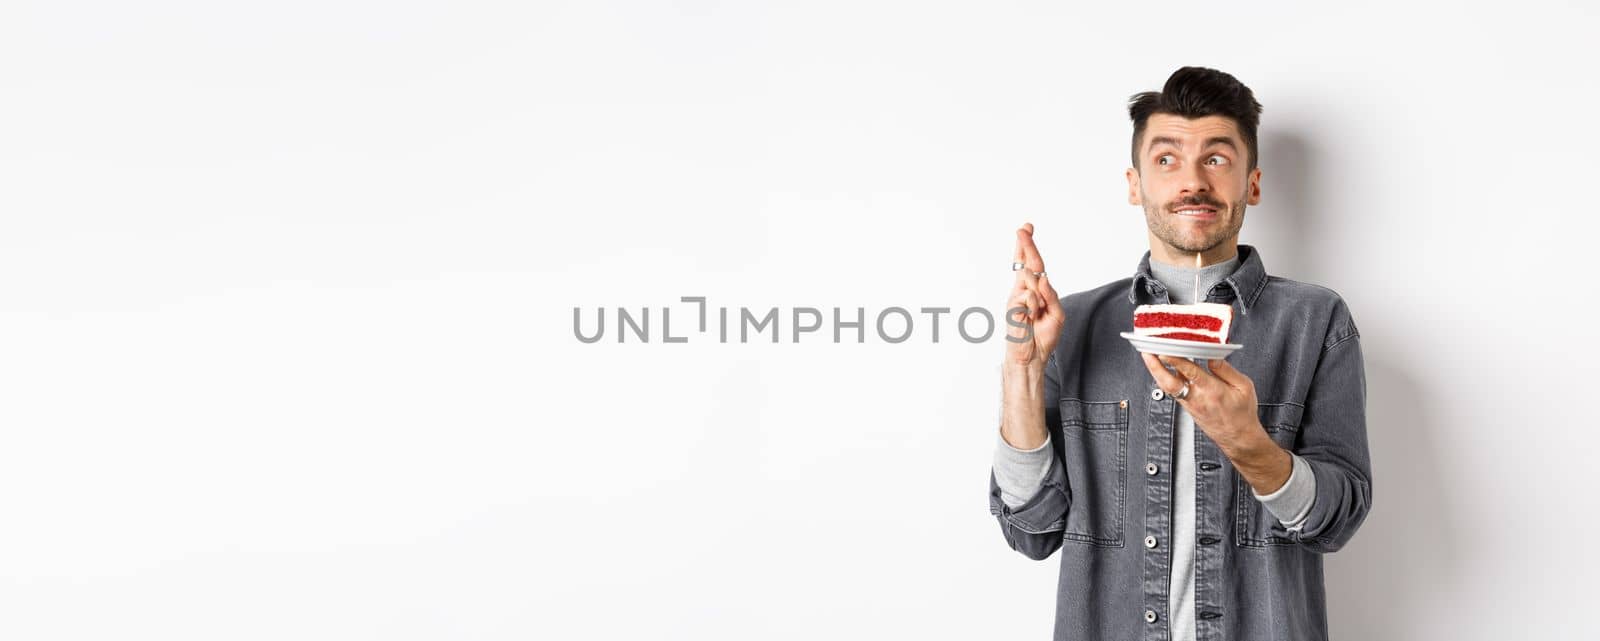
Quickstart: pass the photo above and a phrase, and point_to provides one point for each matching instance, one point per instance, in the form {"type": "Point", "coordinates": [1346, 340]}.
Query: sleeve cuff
{"type": "Point", "coordinates": [1020, 473]}
{"type": "Point", "coordinates": [1291, 504]}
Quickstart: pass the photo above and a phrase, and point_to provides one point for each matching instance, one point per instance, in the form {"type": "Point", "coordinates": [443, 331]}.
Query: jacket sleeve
{"type": "Point", "coordinates": [1034, 528]}
{"type": "Point", "coordinates": [1333, 440]}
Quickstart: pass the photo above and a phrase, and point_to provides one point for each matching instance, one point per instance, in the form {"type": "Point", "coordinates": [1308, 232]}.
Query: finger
{"type": "Point", "coordinates": [1227, 373]}
{"type": "Point", "coordinates": [1024, 240]}
{"type": "Point", "coordinates": [1018, 299]}
{"type": "Point", "coordinates": [1187, 369]}
{"type": "Point", "coordinates": [1025, 275]}
{"type": "Point", "coordinates": [1025, 278]}
{"type": "Point", "coordinates": [1052, 301]}
{"type": "Point", "coordinates": [1023, 299]}
{"type": "Point", "coordinates": [1030, 251]}
{"type": "Point", "coordinates": [1039, 298]}
{"type": "Point", "coordinates": [1017, 322]}
{"type": "Point", "coordinates": [1020, 313]}
{"type": "Point", "coordinates": [1167, 381]}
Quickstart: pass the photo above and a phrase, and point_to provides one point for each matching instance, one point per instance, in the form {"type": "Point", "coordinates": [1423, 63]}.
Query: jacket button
{"type": "Point", "coordinates": [1150, 616]}
{"type": "Point", "coordinates": [1157, 394]}
{"type": "Point", "coordinates": [1149, 541]}
{"type": "Point", "coordinates": [1151, 469]}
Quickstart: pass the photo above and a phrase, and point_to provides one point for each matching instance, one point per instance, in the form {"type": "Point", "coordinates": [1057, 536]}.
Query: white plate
{"type": "Point", "coordinates": [1176, 347]}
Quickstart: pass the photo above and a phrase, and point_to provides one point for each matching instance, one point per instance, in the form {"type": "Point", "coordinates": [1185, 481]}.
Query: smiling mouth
{"type": "Point", "coordinates": [1197, 212]}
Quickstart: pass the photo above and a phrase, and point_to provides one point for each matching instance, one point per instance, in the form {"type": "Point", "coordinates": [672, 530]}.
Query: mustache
{"type": "Point", "coordinates": [1195, 201]}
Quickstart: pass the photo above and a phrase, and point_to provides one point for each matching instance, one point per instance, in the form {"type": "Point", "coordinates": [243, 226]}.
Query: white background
{"type": "Point", "coordinates": [286, 298]}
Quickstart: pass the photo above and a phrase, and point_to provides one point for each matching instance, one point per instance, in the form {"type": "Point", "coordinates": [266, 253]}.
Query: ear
{"type": "Point", "coordinates": [1253, 190]}
{"type": "Point", "coordinates": [1133, 187]}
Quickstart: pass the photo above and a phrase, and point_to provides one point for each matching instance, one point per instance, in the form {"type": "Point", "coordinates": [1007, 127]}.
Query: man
{"type": "Point", "coordinates": [1194, 502]}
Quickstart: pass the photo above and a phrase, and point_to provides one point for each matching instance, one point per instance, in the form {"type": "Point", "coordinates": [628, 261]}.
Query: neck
{"type": "Point", "coordinates": [1163, 253]}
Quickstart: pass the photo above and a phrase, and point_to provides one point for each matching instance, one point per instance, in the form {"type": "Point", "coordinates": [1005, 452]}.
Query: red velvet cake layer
{"type": "Point", "coordinates": [1168, 319]}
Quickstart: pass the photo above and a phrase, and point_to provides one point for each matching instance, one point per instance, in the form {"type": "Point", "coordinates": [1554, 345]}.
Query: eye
{"type": "Point", "coordinates": [1164, 159]}
{"type": "Point", "coordinates": [1216, 160]}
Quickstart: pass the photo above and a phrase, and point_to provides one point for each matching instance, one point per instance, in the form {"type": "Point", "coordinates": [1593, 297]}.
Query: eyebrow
{"type": "Point", "coordinates": [1214, 140]}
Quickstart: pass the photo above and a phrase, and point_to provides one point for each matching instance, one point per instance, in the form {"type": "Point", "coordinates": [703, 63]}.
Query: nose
{"type": "Point", "coordinates": [1193, 180]}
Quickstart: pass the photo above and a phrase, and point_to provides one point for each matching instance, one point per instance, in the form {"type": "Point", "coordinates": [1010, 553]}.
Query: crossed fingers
{"type": "Point", "coordinates": [1033, 291]}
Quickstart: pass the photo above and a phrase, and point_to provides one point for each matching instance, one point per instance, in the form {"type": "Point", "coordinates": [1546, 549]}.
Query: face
{"type": "Point", "coordinates": [1192, 182]}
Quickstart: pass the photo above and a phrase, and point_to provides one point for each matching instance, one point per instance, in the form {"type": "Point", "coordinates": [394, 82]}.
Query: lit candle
{"type": "Point", "coordinates": [1197, 277]}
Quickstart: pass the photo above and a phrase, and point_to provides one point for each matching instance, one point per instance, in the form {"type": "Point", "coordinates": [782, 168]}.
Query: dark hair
{"type": "Point", "coordinates": [1195, 92]}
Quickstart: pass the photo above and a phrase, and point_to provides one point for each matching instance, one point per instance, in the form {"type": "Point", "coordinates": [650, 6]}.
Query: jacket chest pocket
{"type": "Point", "coordinates": [1095, 450]}
{"type": "Point", "coordinates": [1254, 524]}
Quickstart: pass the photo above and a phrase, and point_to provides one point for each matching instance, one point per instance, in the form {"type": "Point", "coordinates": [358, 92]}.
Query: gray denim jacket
{"type": "Point", "coordinates": [1108, 496]}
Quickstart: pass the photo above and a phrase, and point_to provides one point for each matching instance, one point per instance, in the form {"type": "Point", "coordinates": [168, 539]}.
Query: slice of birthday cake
{"type": "Point", "coordinates": [1202, 322]}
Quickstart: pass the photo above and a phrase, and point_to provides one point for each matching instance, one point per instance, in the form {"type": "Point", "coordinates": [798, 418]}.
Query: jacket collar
{"type": "Point", "coordinates": [1247, 280]}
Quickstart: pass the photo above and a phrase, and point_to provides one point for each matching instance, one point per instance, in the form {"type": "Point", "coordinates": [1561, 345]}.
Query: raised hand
{"type": "Point", "coordinates": [1033, 311]}
{"type": "Point", "coordinates": [1034, 319]}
